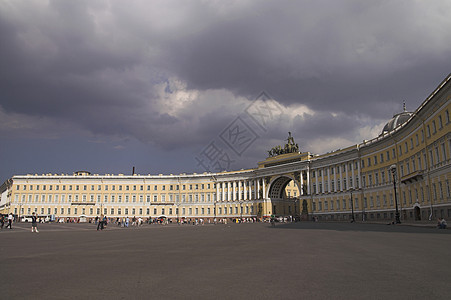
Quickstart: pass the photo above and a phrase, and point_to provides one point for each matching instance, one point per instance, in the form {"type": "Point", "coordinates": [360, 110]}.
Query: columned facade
{"type": "Point", "coordinates": [415, 153]}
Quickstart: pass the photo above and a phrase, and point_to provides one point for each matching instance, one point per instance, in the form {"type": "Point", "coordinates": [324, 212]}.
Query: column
{"type": "Point", "coordinates": [316, 181]}
{"type": "Point", "coordinates": [223, 190]}
{"type": "Point", "coordinates": [228, 191]}
{"type": "Point", "coordinates": [239, 190]}
{"type": "Point", "coordinates": [233, 191]}
{"type": "Point", "coordinates": [257, 194]}
{"type": "Point", "coordinates": [353, 175]}
{"type": "Point", "coordinates": [217, 192]}
{"type": "Point", "coordinates": [341, 178]}
{"type": "Point", "coordinates": [359, 175]}
{"type": "Point", "coordinates": [264, 188]}
{"type": "Point", "coordinates": [301, 180]}
{"type": "Point", "coordinates": [328, 179]}
{"type": "Point", "coordinates": [245, 189]}
{"type": "Point", "coordinates": [335, 178]}
{"type": "Point", "coordinates": [347, 176]}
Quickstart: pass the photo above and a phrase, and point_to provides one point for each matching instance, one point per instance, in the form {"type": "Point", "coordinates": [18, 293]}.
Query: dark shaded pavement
{"type": "Point", "coordinates": [235, 261]}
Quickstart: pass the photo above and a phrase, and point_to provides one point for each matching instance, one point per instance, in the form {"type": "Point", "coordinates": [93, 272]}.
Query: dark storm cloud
{"type": "Point", "coordinates": [346, 54]}
{"type": "Point", "coordinates": [175, 73]}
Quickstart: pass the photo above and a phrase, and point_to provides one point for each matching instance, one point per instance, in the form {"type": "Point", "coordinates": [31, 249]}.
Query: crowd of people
{"type": "Point", "coordinates": [102, 221]}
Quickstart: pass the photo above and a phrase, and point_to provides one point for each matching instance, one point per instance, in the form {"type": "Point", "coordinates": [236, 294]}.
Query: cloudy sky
{"type": "Point", "coordinates": [189, 86]}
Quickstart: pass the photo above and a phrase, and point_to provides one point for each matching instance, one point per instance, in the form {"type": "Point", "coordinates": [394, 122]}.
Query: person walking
{"type": "Point", "coordinates": [34, 223]}
{"type": "Point", "coordinates": [100, 223]}
{"type": "Point", "coordinates": [2, 221]}
{"type": "Point", "coordinates": [10, 221]}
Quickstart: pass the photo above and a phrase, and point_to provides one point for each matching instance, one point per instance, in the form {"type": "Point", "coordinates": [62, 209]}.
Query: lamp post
{"type": "Point", "coordinates": [241, 210]}
{"type": "Point", "coordinates": [295, 210]}
{"type": "Point", "coordinates": [352, 207]}
{"type": "Point", "coordinates": [393, 171]}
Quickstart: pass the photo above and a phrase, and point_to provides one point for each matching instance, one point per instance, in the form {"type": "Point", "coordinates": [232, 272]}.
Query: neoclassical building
{"type": "Point", "coordinates": [408, 164]}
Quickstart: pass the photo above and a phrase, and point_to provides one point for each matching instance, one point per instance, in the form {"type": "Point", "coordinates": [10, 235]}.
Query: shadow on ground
{"type": "Point", "coordinates": [370, 227]}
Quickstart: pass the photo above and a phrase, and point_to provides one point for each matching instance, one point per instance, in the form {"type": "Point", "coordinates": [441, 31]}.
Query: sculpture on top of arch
{"type": "Point", "coordinates": [290, 147]}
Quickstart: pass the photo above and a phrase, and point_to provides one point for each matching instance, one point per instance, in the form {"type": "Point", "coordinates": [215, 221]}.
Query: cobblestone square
{"type": "Point", "coordinates": [302, 260]}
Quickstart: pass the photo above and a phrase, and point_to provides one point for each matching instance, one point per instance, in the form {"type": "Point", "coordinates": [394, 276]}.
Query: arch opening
{"type": "Point", "coordinates": [283, 194]}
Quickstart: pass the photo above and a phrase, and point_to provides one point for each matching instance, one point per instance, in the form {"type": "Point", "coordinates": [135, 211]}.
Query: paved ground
{"type": "Point", "coordinates": [236, 261]}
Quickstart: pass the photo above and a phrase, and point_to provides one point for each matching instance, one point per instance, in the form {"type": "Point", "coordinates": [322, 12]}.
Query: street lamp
{"type": "Point", "coordinates": [241, 210]}
{"type": "Point", "coordinates": [295, 208]}
{"type": "Point", "coordinates": [352, 207]}
{"type": "Point", "coordinates": [393, 171]}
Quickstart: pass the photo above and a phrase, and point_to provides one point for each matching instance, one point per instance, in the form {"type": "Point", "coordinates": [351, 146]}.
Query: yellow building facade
{"type": "Point", "coordinates": [411, 155]}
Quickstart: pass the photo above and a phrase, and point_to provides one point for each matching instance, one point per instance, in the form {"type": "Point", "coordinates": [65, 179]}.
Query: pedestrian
{"type": "Point", "coordinates": [2, 221]}
{"type": "Point", "coordinates": [10, 221]}
{"type": "Point", "coordinates": [100, 223]}
{"type": "Point", "coordinates": [442, 223]}
{"type": "Point", "coordinates": [34, 223]}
